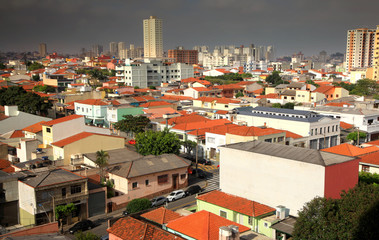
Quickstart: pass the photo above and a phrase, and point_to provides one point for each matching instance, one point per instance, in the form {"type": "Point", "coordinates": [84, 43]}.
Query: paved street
{"type": "Point", "coordinates": [209, 184]}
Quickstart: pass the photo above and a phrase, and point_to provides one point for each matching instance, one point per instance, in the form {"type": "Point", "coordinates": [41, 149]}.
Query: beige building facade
{"type": "Point", "coordinates": [152, 37]}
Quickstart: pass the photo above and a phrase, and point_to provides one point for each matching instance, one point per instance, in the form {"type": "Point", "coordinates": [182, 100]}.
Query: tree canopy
{"type": "Point", "coordinates": [274, 78]}
{"type": "Point", "coordinates": [353, 136]}
{"type": "Point", "coordinates": [134, 124]}
{"type": "Point", "coordinates": [34, 66]}
{"type": "Point", "coordinates": [26, 101]}
{"type": "Point", "coordinates": [62, 211]}
{"type": "Point", "coordinates": [44, 88]}
{"type": "Point", "coordinates": [137, 205]}
{"type": "Point", "coordinates": [354, 216]}
{"type": "Point", "coordinates": [100, 74]}
{"type": "Point", "coordinates": [86, 236]}
{"type": "Point", "coordinates": [363, 87]}
{"type": "Point", "coordinates": [157, 143]}
{"type": "Point", "coordinates": [102, 158]}
{"type": "Point", "coordinates": [189, 145]}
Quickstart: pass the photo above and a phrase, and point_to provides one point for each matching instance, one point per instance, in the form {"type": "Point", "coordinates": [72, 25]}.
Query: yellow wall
{"type": "Point", "coordinates": [317, 96]}
{"type": "Point", "coordinates": [341, 92]}
{"type": "Point", "coordinates": [303, 96]}
{"type": "Point", "coordinates": [50, 82]}
{"type": "Point", "coordinates": [269, 90]}
{"type": "Point", "coordinates": [47, 136]}
{"type": "Point", "coordinates": [88, 145]}
{"type": "Point", "coordinates": [26, 218]}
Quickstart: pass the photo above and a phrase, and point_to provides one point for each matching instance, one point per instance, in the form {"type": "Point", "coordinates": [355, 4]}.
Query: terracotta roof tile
{"type": "Point", "coordinates": [371, 158]}
{"type": "Point", "coordinates": [132, 229]}
{"type": "Point", "coordinates": [270, 95]}
{"type": "Point", "coordinates": [17, 134]}
{"type": "Point", "coordinates": [350, 150]}
{"type": "Point", "coordinates": [186, 119]}
{"type": "Point", "coordinates": [9, 169]}
{"type": "Point", "coordinates": [176, 98]}
{"type": "Point", "coordinates": [161, 215]}
{"type": "Point", "coordinates": [346, 125]}
{"type": "Point", "coordinates": [338, 104]}
{"type": "Point", "coordinates": [97, 102]}
{"type": "Point", "coordinates": [154, 104]}
{"type": "Point", "coordinates": [202, 225]}
{"type": "Point", "coordinates": [375, 142]}
{"type": "Point", "coordinates": [200, 124]}
{"type": "Point", "coordinates": [4, 163]}
{"type": "Point", "coordinates": [235, 203]}
{"type": "Point", "coordinates": [61, 120]}
{"type": "Point", "coordinates": [72, 139]}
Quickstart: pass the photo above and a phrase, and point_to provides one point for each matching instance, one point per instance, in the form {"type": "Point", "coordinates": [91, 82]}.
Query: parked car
{"type": "Point", "coordinates": [82, 226]}
{"type": "Point", "coordinates": [158, 201]}
{"type": "Point", "coordinates": [201, 173]}
{"type": "Point", "coordinates": [132, 142]}
{"type": "Point", "coordinates": [204, 161]}
{"type": "Point", "coordinates": [175, 195]}
{"type": "Point", "coordinates": [193, 190]}
{"type": "Point", "coordinates": [105, 237]}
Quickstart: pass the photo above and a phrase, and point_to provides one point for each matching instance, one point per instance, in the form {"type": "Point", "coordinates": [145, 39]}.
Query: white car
{"type": "Point", "coordinates": [175, 195]}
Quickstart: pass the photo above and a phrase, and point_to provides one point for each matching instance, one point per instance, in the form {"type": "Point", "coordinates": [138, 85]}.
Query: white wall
{"type": "Point", "coordinates": [270, 180]}
{"type": "Point", "coordinates": [27, 197]}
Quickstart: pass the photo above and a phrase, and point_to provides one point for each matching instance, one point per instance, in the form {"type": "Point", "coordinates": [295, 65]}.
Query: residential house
{"type": "Point", "coordinates": [197, 92]}
{"type": "Point", "coordinates": [251, 214]}
{"type": "Point", "coordinates": [69, 149]}
{"type": "Point", "coordinates": [230, 90]}
{"type": "Point", "coordinates": [214, 103]}
{"type": "Point", "coordinates": [94, 111]}
{"type": "Point", "coordinates": [116, 113]}
{"type": "Point", "coordinates": [194, 82]}
{"type": "Point", "coordinates": [159, 104]}
{"type": "Point", "coordinates": [130, 228]}
{"type": "Point", "coordinates": [161, 216]}
{"type": "Point", "coordinates": [116, 156]}
{"type": "Point", "coordinates": [276, 174]}
{"type": "Point", "coordinates": [204, 225]}
{"type": "Point", "coordinates": [41, 192]}
{"type": "Point", "coordinates": [370, 162]}
{"type": "Point", "coordinates": [321, 131]}
{"type": "Point", "coordinates": [148, 176]}
{"type": "Point", "coordinates": [332, 92]}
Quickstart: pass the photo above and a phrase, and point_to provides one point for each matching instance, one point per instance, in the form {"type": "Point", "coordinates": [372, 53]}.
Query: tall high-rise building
{"type": "Point", "coordinates": [152, 37]}
{"type": "Point", "coordinates": [121, 50]}
{"type": "Point", "coordinates": [97, 50]}
{"type": "Point", "coordinates": [375, 63]}
{"type": "Point", "coordinates": [113, 49]}
{"type": "Point", "coordinates": [42, 49]}
{"type": "Point", "coordinates": [360, 48]}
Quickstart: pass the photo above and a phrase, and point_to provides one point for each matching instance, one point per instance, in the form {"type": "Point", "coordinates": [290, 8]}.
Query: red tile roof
{"type": "Point", "coordinates": [202, 89]}
{"type": "Point", "coordinates": [4, 163]}
{"type": "Point", "coordinates": [61, 120]}
{"type": "Point", "coordinates": [324, 89]}
{"type": "Point", "coordinates": [375, 142]}
{"type": "Point", "coordinates": [346, 125]}
{"type": "Point", "coordinates": [222, 70]}
{"type": "Point", "coordinates": [176, 98]}
{"type": "Point", "coordinates": [97, 102]}
{"type": "Point", "coordinates": [161, 215]}
{"type": "Point", "coordinates": [202, 225]}
{"type": "Point", "coordinates": [218, 100]}
{"type": "Point", "coordinates": [350, 150]}
{"type": "Point", "coordinates": [8, 169]}
{"type": "Point", "coordinates": [229, 86]}
{"type": "Point", "coordinates": [270, 95]}
{"type": "Point", "coordinates": [189, 80]}
{"type": "Point", "coordinates": [338, 104]}
{"type": "Point", "coordinates": [223, 112]}
{"type": "Point", "coordinates": [291, 134]}
{"type": "Point", "coordinates": [201, 124]}
{"type": "Point", "coordinates": [253, 131]}
{"type": "Point", "coordinates": [235, 203]}
{"type": "Point", "coordinates": [371, 158]}
{"type": "Point", "coordinates": [132, 229]}
{"type": "Point", "coordinates": [17, 134]}
{"type": "Point", "coordinates": [155, 103]}
{"type": "Point", "coordinates": [186, 119]}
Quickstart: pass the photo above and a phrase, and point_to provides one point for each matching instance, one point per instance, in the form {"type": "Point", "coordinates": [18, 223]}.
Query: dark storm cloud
{"type": "Point", "coordinates": [289, 25]}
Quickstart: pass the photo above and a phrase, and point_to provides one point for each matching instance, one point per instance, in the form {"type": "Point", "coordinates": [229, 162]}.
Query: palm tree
{"type": "Point", "coordinates": [102, 158]}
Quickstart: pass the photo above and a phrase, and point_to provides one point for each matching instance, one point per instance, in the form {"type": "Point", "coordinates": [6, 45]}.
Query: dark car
{"type": "Point", "coordinates": [81, 226]}
{"type": "Point", "coordinates": [158, 201]}
{"type": "Point", "coordinates": [204, 161]}
{"type": "Point", "coordinates": [193, 190]}
{"type": "Point", "coordinates": [124, 213]}
{"type": "Point", "coordinates": [200, 173]}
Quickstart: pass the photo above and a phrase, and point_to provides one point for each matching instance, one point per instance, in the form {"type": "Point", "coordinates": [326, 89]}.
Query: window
{"type": "Point", "coordinates": [211, 140]}
{"type": "Point", "coordinates": [250, 220]}
{"type": "Point", "coordinates": [76, 189]}
{"type": "Point", "coordinates": [365, 168]}
{"type": "Point", "coordinates": [320, 130]}
{"type": "Point", "coordinates": [134, 185]}
{"type": "Point", "coordinates": [147, 182]}
{"type": "Point", "coordinates": [223, 214]}
{"type": "Point", "coordinates": [328, 129]}
{"type": "Point", "coordinates": [311, 132]}
{"type": "Point", "coordinates": [183, 176]}
{"type": "Point", "coordinates": [280, 139]}
{"type": "Point", "coordinates": [162, 179]}
{"type": "Point", "coordinates": [266, 225]}
{"type": "Point", "coordinates": [63, 192]}
{"type": "Point", "coordinates": [268, 140]}
{"type": "Point", "coordinates": [226, 106]}
{"type": "Point", "coordinates": [48, 130]}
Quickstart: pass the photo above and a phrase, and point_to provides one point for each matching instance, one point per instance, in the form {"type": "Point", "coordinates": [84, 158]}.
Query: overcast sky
{"type": "Point", "coordinates": [290, 25]}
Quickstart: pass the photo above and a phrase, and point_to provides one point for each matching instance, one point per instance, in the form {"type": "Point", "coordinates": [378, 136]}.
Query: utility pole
{"type": "Point", "coordinates": [197, 144]}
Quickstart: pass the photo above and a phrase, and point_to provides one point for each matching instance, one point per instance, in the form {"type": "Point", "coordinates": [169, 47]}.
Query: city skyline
{"type": "Point", "coordinates": [290, 26]}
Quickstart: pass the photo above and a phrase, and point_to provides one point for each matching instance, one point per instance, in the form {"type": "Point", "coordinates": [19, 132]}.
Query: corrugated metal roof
{"type": "Point", "coordinates": [312, 156]}
{"type": "Point", "coordinates": [51, 177]}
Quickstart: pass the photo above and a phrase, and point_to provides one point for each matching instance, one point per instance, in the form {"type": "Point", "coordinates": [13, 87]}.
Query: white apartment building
{"type": "Point", "coordinates": [360, 48]}
{"type": "Point", "coordinates": [152, 37]}
{"type": "Point", "coordinates": [152, 73]}
{"type": "Point", "coordinates": [319, 131]}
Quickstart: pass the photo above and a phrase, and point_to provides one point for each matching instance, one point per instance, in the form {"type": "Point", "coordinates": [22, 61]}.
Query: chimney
{"type": "Point", "coordinates": [11, 111]}
{"type": "Point", "coordinates": [229, 233]}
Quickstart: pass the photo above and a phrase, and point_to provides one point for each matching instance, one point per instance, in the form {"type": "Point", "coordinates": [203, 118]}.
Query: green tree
{"type": "Point", "coordinates": [34, 66]}
{"type": "Point", "coordinates": [312, 82]}
{"type": "Point", "coordinates": [134, 124]}
{"type": "Point", "coordinates": [63, 211]}
{"type": "Point", "coordinates": [152, 87]}
{"type": "Point", "coordinates": [369, 178]}
{"type": "Point", "coordinates": [102, 158]}
{"type": "Point", "coordinates": [353, 136]}
{"type": "Point", "coordinates": [239, 94]}
{"type": "Point", "coordinates": [157, 143]}
{"type": "Point", "coordinates": [274, 78]}
{"type": "Point", "coordinates": [366, 87]}
{"type": "Point", "coordinates": [26, 101]}
{"type": "Point", "coordinates": [36, 77]}
{"type": "Point", "coordinates": [347, 86]}
{"type": "Point", "coordinates": [189, 146]}
{"type": "Point", "coordinates": [276, 105]}
{"type": "Point", "coordinates": [136, 87]}
{"type": "Point", "coordinates": [137, 205]}
{"type": "Point", "coordinates": [44, 88]}
{"type": "Point", "coordinates": [289, 105]}
{"type": "Point", "coordinates": [86, 236]}
{"type": "Point", "coordinates": [354, 216]}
